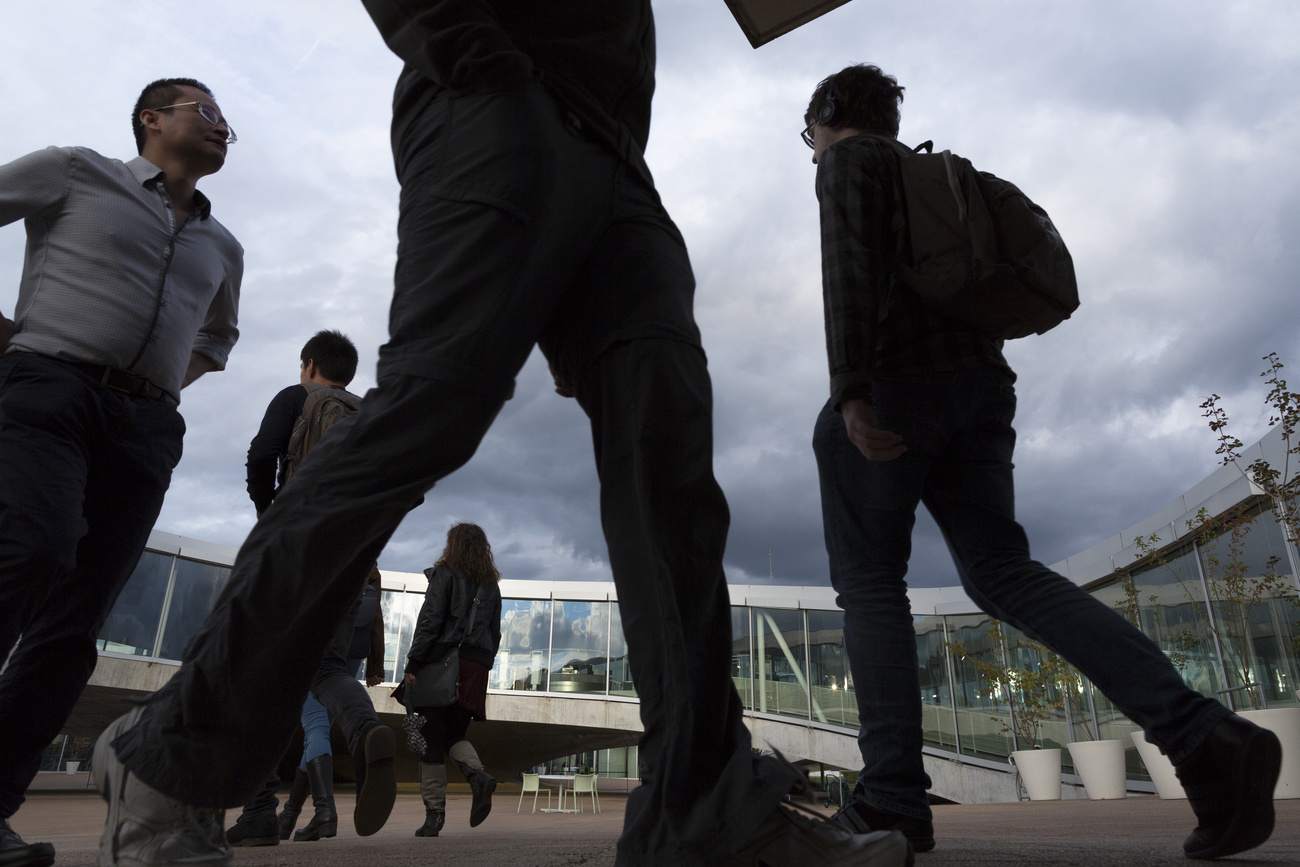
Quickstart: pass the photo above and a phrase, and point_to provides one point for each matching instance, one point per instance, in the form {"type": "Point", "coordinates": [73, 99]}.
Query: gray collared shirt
{"type": "Point", "coordinates": [108, 277]}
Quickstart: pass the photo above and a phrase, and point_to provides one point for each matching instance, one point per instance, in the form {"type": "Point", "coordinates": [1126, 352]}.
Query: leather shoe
{"type": "Point", "coordinates": [793, 836]}
{"type": "Point", "coordinates": [16, 853]}
{"type": "Point", "coordinates": [862, 818]}
{"type": "Point", "coordinates": [1229, 779]}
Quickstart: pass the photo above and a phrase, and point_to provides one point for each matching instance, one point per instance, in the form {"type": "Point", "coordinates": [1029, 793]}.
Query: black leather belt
{"type": "Point", "coordinates": [125, 382]}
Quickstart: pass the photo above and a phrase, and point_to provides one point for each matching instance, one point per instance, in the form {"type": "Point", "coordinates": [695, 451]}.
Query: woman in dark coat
{"type": "Point", "coordinates": [461, 607]}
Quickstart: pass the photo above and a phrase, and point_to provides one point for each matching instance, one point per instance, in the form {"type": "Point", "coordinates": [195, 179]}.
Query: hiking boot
{"type": "Point", "coordinates": [376, 781]}
{"type": "Point", "coordinates": [14, 852]}
{"type": "Point", "coordinates": [254, 829]}
{"type": "Point", "coordinates": [1229, 779]}
{"type": "Point", "coordinates": [145, 828]}
{"type": "Point", "coordinates": [861, 818]}
{"type": "Point", "coordinates": [796, 836]}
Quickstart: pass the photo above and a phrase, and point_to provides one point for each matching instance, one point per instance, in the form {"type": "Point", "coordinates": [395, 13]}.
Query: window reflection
{"type": "Point", "coordinates": [194, 591]}
{"type": "Point", "coordinates": [525, 644]}
{"type": "Point", "coordinates": [400, 611]}
{"type": "Point", "coordinates": [579, 646]}
{"type": "Point", "coordinates": [938, 725]}
{"type": "Point", "coordinates": [132, 624]}
{"type": "Point", "coordinates": [620, 670]}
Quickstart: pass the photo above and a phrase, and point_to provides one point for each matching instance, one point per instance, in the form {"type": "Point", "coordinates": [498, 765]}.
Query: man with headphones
{"type": "Point", "coordinates": [920, 411]}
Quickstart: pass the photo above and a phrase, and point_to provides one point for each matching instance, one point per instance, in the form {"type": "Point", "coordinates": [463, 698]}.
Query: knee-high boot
{"type": "Point", "coordinates": [293, 804]}
{"type": "Point", "coordinates": [320, 772]}
{"type": "Point", "coordinates": [481, 783]}
{"type": "Point", "coordinates": [433, 789]}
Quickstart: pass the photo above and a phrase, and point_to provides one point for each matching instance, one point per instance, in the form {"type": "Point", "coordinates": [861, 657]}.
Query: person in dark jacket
{"type": "Point", "coordinates": [462, 607]}
{"type": "Point", "coordinates": [921, 412]}
{"type": "Point", "coordinates": [528, 218]}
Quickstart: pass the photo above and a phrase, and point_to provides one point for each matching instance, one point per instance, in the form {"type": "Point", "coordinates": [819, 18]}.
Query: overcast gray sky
{"type": "Point", "coordinates": [1162, 137]}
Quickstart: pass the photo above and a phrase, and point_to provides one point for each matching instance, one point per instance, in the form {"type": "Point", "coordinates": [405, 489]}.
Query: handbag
{"type": "Point", "coordinates": [437, 683]}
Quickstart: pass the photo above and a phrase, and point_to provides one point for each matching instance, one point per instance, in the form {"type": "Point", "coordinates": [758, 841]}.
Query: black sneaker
{"type": "Point", "coordinates": [254, 829]}
{"type": "Point", "coordinates": [1229, 781]}
{"type": "Point", "coordinates": [861, 818]}
{"type": "Point", "coordinates": [15, 852]}
{"type": "Point", "coordinates": [796, 836]}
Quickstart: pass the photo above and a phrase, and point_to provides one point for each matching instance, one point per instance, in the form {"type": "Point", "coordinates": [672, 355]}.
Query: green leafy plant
{"type": "Point", "coordinates": [1031, 691]}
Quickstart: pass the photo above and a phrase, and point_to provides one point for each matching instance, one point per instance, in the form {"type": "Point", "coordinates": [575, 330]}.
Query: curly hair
{"type": "Point", "coordinates": [469, 552]}
{"type": "Point", "coordinates": [865, 98]}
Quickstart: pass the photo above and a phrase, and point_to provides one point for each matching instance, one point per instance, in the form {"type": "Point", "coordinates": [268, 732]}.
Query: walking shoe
{"type": "Point", "coordinates": [376, 781]}
{"type": "Point", "coordinates": [1229, 781]}
{"type": "Point", "coordinates": [145, 828]}
{"type": "Point", "coordinates": [254, 829]}
{"type": "Point", "coordinates": [16, 853]}
{"type": "Point", "coordinates": [861, 818]}
{"type": "Point", "coordinates": [796, 836]}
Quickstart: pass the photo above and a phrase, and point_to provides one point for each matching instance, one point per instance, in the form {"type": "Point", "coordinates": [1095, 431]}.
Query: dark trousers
{"type": "Point", "coordinates": [514, 230]}
{"type": "Point", "coordinates": [957, 427]}
{"type": "Point", "coordinates": [83, 470]}
{"type": "Point", "coordinates": [443, 726]}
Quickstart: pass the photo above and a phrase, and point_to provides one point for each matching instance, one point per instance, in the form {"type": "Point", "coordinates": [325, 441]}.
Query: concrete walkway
{"type": "Point", "coordinates": [1137, 831]}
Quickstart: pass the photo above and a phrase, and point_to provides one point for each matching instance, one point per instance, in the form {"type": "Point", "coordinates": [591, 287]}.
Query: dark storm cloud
{"type": "Point", "coordinates": [1161, 137]}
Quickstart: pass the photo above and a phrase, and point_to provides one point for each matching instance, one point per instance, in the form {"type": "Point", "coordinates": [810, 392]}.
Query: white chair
{"type": "Point", "coordinates": [533, 783]}
{"type": "Point", "coordinates": [585, 784]}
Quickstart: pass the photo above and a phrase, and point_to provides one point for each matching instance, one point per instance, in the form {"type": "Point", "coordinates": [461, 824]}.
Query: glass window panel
{"type": "Point", "coordinates": [194, 591]}
{"type": "Point", "coordinates": [400, 612]}
{"type": "Point", "coordinates": [980, 718]}
{"type": "Point", "coordinates": [579, 644]}
{"type": "Point", "coordinates": [620, 671]}
{"type": "Point", "coordinates": [1253, 594]}
{"type": "Point", "coordinates": [1053, 730]}
{"type": "Point", "coordinates": [132, 624]}
{"type": "Point", "coordinates": [525, 641]}
{"type": "Point", "coordinates": [741, 656]}
{"type": "Point", "coordinates": [829, 680]}
{"type": "Point", "coordinates": [938, 725]}
{"type": "Point", "coordinates": [781, 686]}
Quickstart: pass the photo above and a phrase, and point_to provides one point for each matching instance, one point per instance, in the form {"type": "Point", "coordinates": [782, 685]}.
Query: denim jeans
{"type": "Point", "coordinates": [957, 427]}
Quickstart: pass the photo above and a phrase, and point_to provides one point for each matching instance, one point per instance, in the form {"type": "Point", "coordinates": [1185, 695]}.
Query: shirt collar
{"type": "Point", "coordinates": [147, 173]}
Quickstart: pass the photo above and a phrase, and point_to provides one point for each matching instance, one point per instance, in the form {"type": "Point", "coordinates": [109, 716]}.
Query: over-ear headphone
{"type": "Point", "coordinates": [829, 115]}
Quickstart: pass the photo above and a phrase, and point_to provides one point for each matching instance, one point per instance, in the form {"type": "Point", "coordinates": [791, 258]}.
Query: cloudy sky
{"type": "Point", "coordinates": [1162, 137]}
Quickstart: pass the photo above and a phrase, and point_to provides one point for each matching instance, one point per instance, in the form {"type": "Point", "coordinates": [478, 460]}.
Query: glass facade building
{"type": "Point", "coordinates": [788, 657]}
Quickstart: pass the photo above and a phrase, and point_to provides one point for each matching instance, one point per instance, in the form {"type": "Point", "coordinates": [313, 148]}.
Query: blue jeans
{"type": "Point", "coordinates": [315, 731]}
{"type": "Point", "coordinates": [957, 426]}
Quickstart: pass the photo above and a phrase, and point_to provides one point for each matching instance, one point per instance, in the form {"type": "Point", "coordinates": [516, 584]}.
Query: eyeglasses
{"type": "Point", "coordinates": [209, 114]}
{"type": "Point", "coordinates": [807, 137]}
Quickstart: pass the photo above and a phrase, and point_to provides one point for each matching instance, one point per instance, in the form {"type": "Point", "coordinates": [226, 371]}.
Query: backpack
{"type": "Point", "coordinates": [982, 252]}
{"type": "Point", "coordinates": [325, 405]}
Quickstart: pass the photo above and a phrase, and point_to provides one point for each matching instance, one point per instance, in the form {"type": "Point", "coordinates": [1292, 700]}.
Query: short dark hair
{"type": "Point", "coordinates": [156, 94]}
{"type": "Point", "coordinates": [334, 354]}
{"type": "Point", "coordinates": [865, 98]}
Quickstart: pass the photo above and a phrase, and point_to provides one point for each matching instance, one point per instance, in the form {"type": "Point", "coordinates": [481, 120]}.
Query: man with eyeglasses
{"type": "Point", "coordinates": [129, 292]}
{"type": "Point", "coordinates": [920, 412]}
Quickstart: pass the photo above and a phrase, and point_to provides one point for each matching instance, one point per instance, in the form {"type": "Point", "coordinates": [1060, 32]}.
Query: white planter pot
{"type": "Point", "coordinates": [1040, 770]}
{"type": "Point", "coordinates": [1101, 764]}
{"type": "Point", "coordinates": [1285, 723]}
{"type": "Point", "coordinates": [1159, 767]}
{"type": "Point", "coordinates": [72, 767]}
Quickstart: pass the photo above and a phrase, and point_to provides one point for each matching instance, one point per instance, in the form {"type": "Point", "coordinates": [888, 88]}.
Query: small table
{"type": "Point", "coordinates": [560, 780]}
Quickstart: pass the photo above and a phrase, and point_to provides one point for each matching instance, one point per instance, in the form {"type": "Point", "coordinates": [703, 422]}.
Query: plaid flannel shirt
{"type": "Point", "coordinates": [876, 325]}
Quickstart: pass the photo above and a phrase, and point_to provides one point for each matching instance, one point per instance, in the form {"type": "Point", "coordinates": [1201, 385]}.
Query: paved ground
{"type": "Point", "coordinates": [1138, 831]}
